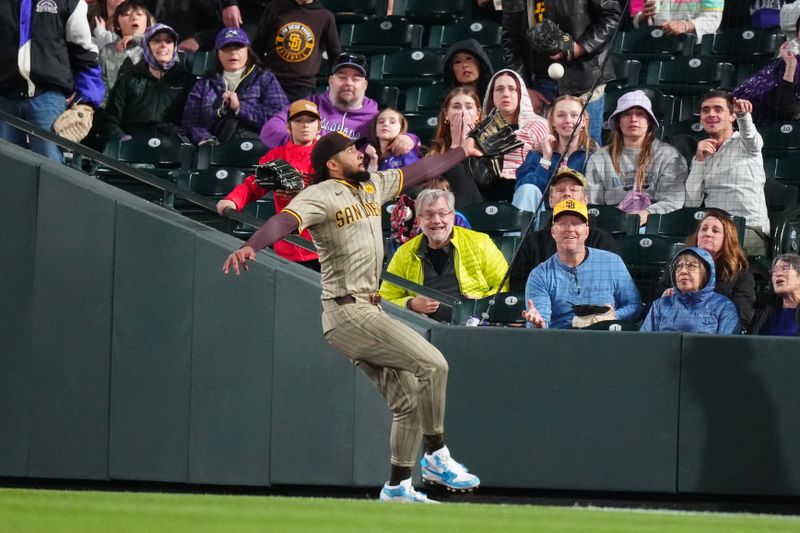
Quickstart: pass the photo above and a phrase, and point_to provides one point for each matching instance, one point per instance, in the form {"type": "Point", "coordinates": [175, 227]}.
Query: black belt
{"type": "Point", "coordinates": [374, 299]}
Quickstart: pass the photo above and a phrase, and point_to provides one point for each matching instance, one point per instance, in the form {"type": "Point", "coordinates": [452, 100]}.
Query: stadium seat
{"type": "Point", "coordinates": [652, 43]}
{"type": "Point", "coordinates": [684, 135]}
{"type": "Point", "coordinates": [385, 95]}
{"type": "Point", "coordinates": [507, 244]}
{"type": "Point", "coordinates": [613, 325]}
{"type": "Point", "coordinates": [682, 223]}
{"type": "Point", "coordinates": [241, 153]}
{"type": "Point", "coordinates": [349, 11]}
{"type": "Point", "coordinates": [495, 54]}
{"type": "Point", "coordinates": [780, 197]}
{"type": "Point", "coordinates": [742, 46]}
{"type": "Point", "coordinates": [781, 138]}
{"type": "Point", "coordinates": [380, 35]}
{"type": "Point", "coordinates": [786, 236]}
{"type": "Point", "coordinates": [263, 208]}
{"type": "Point", "coordinates": [486, 32]}
{"type": "Point", "coordinates": [203, 61]}
{"type": "Point", "coordinates": [423, 126]}
{"type": "Point", "coordinates": [496, 218]}
{"type": "Point", "coordinates": [690, 75]}
{"type": "Point", "coordinates": [615, 221]}
{"type": "Point", "coordinates": [216, 182]}
{"type": "Point", "coordinates": [163, 156]}
{"type": "Point", "coordinates": [406, 68]}
{"type": "Point", "coordinates": [426, 99]}
{"type": "Point", "coordinates": [646, 257]}
{"type": "Point", "coordinates": [506, 309]}
{"type": "Point", "coordinates": [787, 168]}
{"type": "Point", "coordinates": [432, 12]}
{"type": "Point", "coordinates": [626, 73]}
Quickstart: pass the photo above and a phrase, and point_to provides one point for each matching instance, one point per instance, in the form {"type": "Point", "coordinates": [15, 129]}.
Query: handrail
{"type": "Point", "coordinates": [204, 202]}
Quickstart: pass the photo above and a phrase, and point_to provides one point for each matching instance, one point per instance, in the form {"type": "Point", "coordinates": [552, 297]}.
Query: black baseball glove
{"type": "Point", "coordinates": [493, 136]}
{"type": "Point", "coordinates": [548, 39]}
{"type": "Point", "coordinates": [279, 175]}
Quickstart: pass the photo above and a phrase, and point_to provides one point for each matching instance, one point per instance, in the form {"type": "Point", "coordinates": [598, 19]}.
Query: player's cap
{"type": "Point", "coordinates": [328, 146]}
{"type": "Point", "coordinates": [566, 173]}
{"type": "Point", "coordinates": [228, 36]}
{"type": "Point", "coordinates": [303, 107]}
{"type": "Point", "coordinates": [636, 98]}
{"type": "Point", "coordinates": [349, 59]}
{"type": "Point", "coordinates": [572, 207]}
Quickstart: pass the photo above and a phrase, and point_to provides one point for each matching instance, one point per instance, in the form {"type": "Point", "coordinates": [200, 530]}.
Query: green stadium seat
{"type": "Point", "coordinates": [690, 75]}
{"type": "Point", "coordinates": [507, 244]}
{"type": "Point", "coordinates": [780, 197]}
{"type": "Point", "coordinates": [406, 68]}
{"type": "Point", "coordinates": [486, 32]}
{"type": "Point", "coordinates": [787, 168]}
{"type": "Point", "coordinates": [380, 35]}
{"type": "Point", "coordinates": [613, 325]}
{"type": "Point", "coordinates": [423, 126]}
{"type": "Point", "coordinates": [786, 235]}
{"type": "Point", "coordinates": [615, 221]}
{"type": "Point", "coordinates": [426, 99]}
{"type": "Point", "coordinates": [626, 73]}
{"type": "Point", "coordinates": [506, 309]}
{"type": "Point", "coordinates": [163, 156]}
{"type": "Point", "coordinates": [433, 12]}
{"type": "Point", "coordinates": [495, 54]}
{"type": "Point", "coordinates": [681, 223]}
{"type": "Point", "coordinates": [652, 43]}
{"type": "Point", "coordinates": [263, 208]}
{"type": "Point", "coordinates": [242, 153]}
{"type": "Point", "coordinates": [781, 138]}
{"type": "Point", "coordinates": [203, 61]}
{"type": "Point", "coordinates": [349, 11]}
{"type": "Point", "coordinates": [385, 95]}
{"type": "Point", "coordinates": [742, 46]}
{"type": "Point", "coordinates": [217, 181]}
{"type": "Point", "coordinates": [496, 218]}
{"type": "Point", "coordinates": [646, 257]}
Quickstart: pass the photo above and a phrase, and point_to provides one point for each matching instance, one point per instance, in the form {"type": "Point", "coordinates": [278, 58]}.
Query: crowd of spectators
{"type": "Point", "coordinates": [123, 58]}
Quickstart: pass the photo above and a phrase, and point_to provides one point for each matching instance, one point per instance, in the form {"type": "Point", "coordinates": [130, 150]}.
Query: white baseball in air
{"type": "Point", "coordinates": [555, 71]}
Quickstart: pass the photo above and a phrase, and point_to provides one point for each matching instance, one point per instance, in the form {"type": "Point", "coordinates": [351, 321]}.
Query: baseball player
{"type": "Point", "coordinates": [342, 210]}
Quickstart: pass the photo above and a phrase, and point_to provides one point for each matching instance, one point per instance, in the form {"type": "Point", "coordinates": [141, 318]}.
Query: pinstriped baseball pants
{"type": "Point", "coordinates": [410, 372]}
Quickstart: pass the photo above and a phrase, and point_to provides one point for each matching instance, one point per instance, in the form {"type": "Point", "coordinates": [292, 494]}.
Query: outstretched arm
{"type": "Point", "coordinates": [430, 167]}
{"type": "Point", "coordinates": [274, 229]}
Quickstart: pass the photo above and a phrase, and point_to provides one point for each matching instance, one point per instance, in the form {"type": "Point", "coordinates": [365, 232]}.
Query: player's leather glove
{"type": "Point", "coordinates": [548, 39]}
{"type": "Point", "coordinates": [74, 123]}
{"type": "Point", "coordinates": [493, 136]}
{"type": "Point", "coordinates": [278, 175]}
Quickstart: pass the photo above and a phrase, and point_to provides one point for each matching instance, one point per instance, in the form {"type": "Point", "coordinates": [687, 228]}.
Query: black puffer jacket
{"type": "Point", "coordinates": [590, 22]}
{"type": "Point", "coordinates": [139, 103]}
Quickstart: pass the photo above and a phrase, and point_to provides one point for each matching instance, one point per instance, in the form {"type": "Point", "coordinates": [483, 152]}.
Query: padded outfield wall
{"type": "Point", "coordinates": [125, 354]}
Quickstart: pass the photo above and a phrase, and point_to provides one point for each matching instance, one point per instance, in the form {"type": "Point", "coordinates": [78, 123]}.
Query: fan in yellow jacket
{"type": "Point", "coordinates": [452, 260]}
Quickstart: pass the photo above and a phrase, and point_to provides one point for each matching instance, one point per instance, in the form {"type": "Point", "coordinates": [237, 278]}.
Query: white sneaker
{"type": "Point", "coordinates": [404, 492]}
{"type": "Point", "coordinates": [438, 467]}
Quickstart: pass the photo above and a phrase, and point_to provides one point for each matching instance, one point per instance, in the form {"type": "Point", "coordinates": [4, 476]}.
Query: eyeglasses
{"type": "Point", "coordinates": [691, 267]}
{"type": "Point", "coordinates": [430, 215]}
{"type": "Point", "coordinates": [576, 284]}
{"type": "Point", "coordinates": [783, 269]}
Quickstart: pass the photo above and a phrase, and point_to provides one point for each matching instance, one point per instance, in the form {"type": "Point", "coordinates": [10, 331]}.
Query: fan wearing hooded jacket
{"type": "Point", "coordinates": [466, 63]}
{"type": "Point", "coordinates": [693, 307]}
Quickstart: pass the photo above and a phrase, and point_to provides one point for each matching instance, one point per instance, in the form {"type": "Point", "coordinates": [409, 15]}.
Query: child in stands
{"type": "Point", "coordinates": [304, 128]}
{"type": "Point", "coordinates": [383, 130]}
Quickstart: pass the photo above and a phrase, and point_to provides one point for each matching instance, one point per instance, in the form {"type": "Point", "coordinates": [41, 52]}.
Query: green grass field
{"type": "Point", "coordinates": [23, 511]}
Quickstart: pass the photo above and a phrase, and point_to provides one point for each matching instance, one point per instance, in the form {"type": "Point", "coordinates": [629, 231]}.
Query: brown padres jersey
{"type": "Point", "coordinates": [345, 224]}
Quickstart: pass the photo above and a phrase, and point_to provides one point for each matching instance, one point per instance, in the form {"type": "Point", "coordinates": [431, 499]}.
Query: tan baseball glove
{"type": "Point", "coordinates": [74, 123]}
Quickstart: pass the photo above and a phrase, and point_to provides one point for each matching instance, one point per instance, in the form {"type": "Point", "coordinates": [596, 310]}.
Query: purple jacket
{"type": "Point", "coordinates": [260, 97]}
{"type": "Point", "coordinates": [354, 122]}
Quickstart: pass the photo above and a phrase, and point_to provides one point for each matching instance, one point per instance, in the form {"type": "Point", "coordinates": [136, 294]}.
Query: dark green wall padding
{"type": "Point", "coordinates": [125, 354]}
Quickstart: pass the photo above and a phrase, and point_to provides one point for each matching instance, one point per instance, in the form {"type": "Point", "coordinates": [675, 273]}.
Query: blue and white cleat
{"type": "Point", "coordinates": [441, 469]}
{"type": "Point", "coordinates": [404, 493]}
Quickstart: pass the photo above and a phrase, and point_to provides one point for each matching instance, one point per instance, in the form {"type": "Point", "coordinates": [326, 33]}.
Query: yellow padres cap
{"type": "Point", "coordinates": [301, 107]}
{"type": "Point", "coordinates": [573, 207]}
